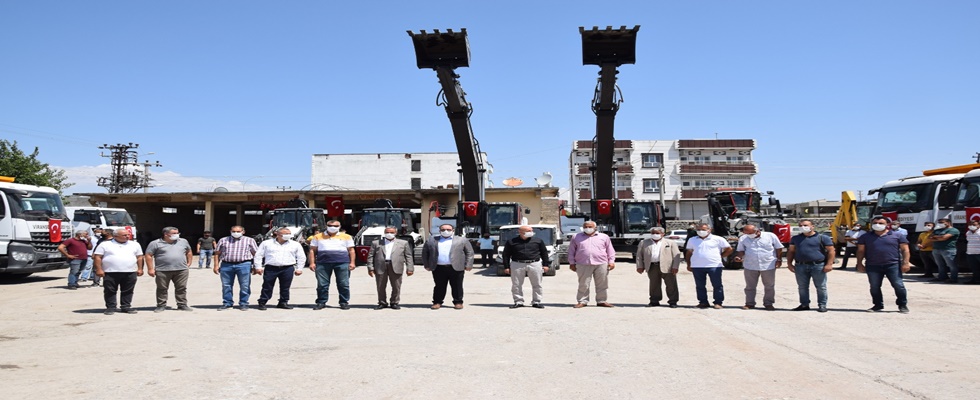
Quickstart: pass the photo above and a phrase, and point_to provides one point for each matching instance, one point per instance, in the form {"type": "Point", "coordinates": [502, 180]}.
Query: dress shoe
{"type": "Point", "coordinates": [243, 307]}
{"type": "Point", "coordinates": [672, 305]}
{"type": "Point", "coordinates": [703, 305]}
{"type": "Point", "coordinates": [578, 305]}
{"type": "Point", "coordinates": [654, 304]}
{"type": "Point", "coordinates": [537, 305]}
{"type": "Point", "coordinates": [801, 307]}
{"type": "Point", "coordinates": [128, 311]}
{"type": "Point", "coordinates": [458, 306]}
{"type": "Point", "coordinates": [770, 308]}
{"type": "Point", "coordinates": [395, 306]}
{"type": "Point", "coordinates": [184, 308]}
{"type": "Point", "coordinates": [319, 306]}
{"type": "Point", "coordinates": [284, 306]}
{"type": "Point", "coordinates": [73, 287]}
{"type": "Point", "coordinates": [261, 307]}
{"type": "Point", "coordinates": [903, 309]}
{"type": "Point", "coordinates": [822, 309]}
{"type": "Point", "coordinates": [160, 309]}
{"type": "Point", "coordinates": [222, 308]}
{"type": "Point", "coordinates": [345, 306]}
{"type": "Point", "coordinates": [109, 311]}
{"type": "Point", "coordinates": [604, 304]}
{"type": "Point", "coordinates": [717, 306]}
{"type": "Point", "coordinates": [517, 305]}
{"type": "Point", "coordinates": [380, 306]}
{"type": "Point", "coordinates": [876, 309]}
{"type": "Point", "coordinates": [747, 307]}
{"type": "Point", "coordinates": [436, 306]}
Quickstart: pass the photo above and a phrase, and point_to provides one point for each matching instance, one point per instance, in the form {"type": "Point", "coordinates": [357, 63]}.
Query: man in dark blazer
{"type": "Point", "coordinates": [388, 259]}
{"type": "Point", "coordinates": [448, 257]}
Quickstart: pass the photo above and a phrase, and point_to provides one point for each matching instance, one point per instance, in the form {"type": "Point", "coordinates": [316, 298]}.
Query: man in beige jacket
{"type": "Point", "coordinates": [660, 258]}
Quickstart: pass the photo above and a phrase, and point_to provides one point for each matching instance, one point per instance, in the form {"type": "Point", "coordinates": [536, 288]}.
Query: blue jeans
{"type": "Point", "coordinates": [701, 276]}
{"type": "Point", "coordinates": [804, 272]}
{"type": "Point", "coordinates": [229, 271]}
{"type": "Point", "coordinates": [74, 269]}
{"type": "Point", "coordinates": [877, 274]}
{"type": "Point", "coordinates": [209, 254]}
{"type": "Point", "coordinates": [323, 272]}
{"type": "Point", "coordinates": [85, 273]}
{"type": "Point", "coordinates": [944, 259]}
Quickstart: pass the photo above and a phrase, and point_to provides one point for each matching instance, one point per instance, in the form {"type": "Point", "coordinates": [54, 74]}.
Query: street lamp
{"type": "Point", "coordinates": [246, 181]}
{"type": "Point", "coordinates": [146, 171]}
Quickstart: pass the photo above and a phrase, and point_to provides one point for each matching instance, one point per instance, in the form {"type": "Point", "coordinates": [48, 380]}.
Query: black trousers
{"type": "Point", "coordinates": [269, 276]}
{"type": "Point", "coordinates": [442, 275]}
{"type": "Point", "coordinates": [486, 257]}
{"type": "Point", "coordinates": [848, 252]}
{"type": "Point", "coordinates": [124, 282]}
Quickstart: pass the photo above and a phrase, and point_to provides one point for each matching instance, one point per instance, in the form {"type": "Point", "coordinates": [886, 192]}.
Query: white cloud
{"type": "Point", "coordinates": [86, 179]}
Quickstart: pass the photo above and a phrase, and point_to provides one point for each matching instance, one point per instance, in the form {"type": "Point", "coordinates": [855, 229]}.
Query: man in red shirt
{"type": "Point", "coordinates": [76, 249]}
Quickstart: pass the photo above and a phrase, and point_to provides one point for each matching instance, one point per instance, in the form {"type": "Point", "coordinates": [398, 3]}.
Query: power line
{"type": "Point", "coordinates": [123, 178]}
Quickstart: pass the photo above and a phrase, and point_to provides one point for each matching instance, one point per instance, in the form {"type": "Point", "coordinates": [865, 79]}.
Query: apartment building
{"type": "Point", "coordinates": [381, 171]}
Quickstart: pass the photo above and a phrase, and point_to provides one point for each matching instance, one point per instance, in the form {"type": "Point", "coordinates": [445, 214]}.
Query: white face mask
{"type": "Point", "coordinates": [703, 233]}
{"type": "Point", "coordinates": [940, 226]}
{"type": "Point", "coordinates": [528, 235]}
{"type": "Point", "coordinates": [878, 227]}
{"type": "Point", "coordinates": [806, 229]}
{"type": "Point", "coordinates": [972, 228]}
{"type": "Point", "coordinates": [390, 236]}
{"type": "Point", "coordinates": [236, 235]}
{"type": "Point", "coordinates": [175, 237]}
{"type": "Point", "coordinates": [896, 227]}
{"type": "Point", "coordinates": [656, 236]}
{"type": "Point", "coordinates": [588, 231]}
{"type": "Point", "coordinates": [928, 227]}
{"type": "Point", "coordinates": [287, 237]}
{"type": "Point", "coordinates": [333, 229]}
{"type": "Point", "coordinates": [446, 234]}
{"type": "Point", "coordinates": [856, 228]}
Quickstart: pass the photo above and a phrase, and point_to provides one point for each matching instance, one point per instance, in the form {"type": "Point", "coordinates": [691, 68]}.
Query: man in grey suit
{"type": "Point", "coordinates": [660, 258]}
{"type": "Point", "coordinates": [448, 257]}
{"type": "Point", "coordinates": [388, 259]}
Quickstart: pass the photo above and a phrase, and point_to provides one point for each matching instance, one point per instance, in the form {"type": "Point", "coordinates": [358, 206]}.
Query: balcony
{"type": "Point", "coordinates": [694, 193]}
{"type": "Point", "coordinates": [688, 144]}
{"type": "Point", "coordinates": [618, 144]}
{"type": "Point", "coordinates": [748, 168]}
{"type": "Point", "coordinates": [620, 168]}
{"type": "Point", "coordinates": [585, 194]}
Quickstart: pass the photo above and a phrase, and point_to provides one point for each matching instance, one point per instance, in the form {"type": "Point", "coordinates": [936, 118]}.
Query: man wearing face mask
{"type": "Point", "coordinates": [448, 257]}
{"type": "Point", "coordinates": [973, 250]}
{"type": "Point", "coordinates": [235, 253]}
{"type": "Point", "coordinates": [811, 256]}
{"type": "Point", "coordinates": [591, 256]}
{"type": "Point", "coordinates": [168, 259]}
{"type": "Point", "coordinates": [277, 259]}
{"type": "Point", "coordinates": [851, 238]}
{"type": "Point", "coordinates": [925, 250]}
{"type": "Point", "coordinates": [486, 249]}
{"type": "Point", "coordinates": [760, 254]}
{"type": "Point", "coordinates": [704, 255]}
{"type": "Point", "coordinates": [120, 262]}
{"type": "Point", "coordinates": [897, 228]}
{"type": "Point", "coordinates": [886, 253]}
{"type": "Point", "coordinates": [944, 250]}
{"type": "Point", "coordinates": [388, 259]}
{"type": "Point", "coordinates": [526, 255]}
{"type": "Point", "coordinates": [660, 259]}
{"type": "Point", "coordinates": [332, 252]}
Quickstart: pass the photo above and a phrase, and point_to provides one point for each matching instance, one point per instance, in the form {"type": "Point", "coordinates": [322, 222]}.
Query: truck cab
{"type": "Point", "coordinates": [372, 224]}
{"type": "Point", "coordinates": [33, 222]}
{"type": "Point", "coordinates": [917, 200]}
{"type": "Point", "coordinates": [551, 236]}
{"type": "Point", "coordinates": [100, 217]}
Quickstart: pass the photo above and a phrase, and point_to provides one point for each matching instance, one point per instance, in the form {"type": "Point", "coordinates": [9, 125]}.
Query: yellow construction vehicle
{"type": "Point", "coordinates": [851, 212]}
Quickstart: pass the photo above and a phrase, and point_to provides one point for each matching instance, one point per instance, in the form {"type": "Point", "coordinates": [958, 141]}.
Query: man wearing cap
{"type": "Point", "coordinates": [526, 255]}
{"type": "Point", "coordinates": [660, 258]}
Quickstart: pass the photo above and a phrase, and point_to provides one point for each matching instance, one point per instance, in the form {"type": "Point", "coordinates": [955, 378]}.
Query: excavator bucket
{"type": "Point", "coordinates": [441, 49]}
{"type": "Point", "coordinates": [615, 46]}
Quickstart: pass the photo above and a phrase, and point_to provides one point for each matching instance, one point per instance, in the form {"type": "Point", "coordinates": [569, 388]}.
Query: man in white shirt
{"type": "Point", "coordinates": [851, 237]}
{"type": "Point", "coordinates": [760, 254]}
{"type": "Point", "coordinates": [277, 258]}
{"type": "Point", "coordinates": [120, 263]}
{"type": "Point", "coordinates": [704, 254]}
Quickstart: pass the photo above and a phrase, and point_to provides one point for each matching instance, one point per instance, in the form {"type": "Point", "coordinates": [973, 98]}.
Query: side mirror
{"type": "Point", "coordinates": [527, 210]}
{"type": "Point", "coordinates": [559, 241]}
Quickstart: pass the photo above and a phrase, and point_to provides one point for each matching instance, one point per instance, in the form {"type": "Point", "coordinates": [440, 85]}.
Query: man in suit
{"type": "Point", "coordinates": [448, 257]}
{"type": "Point", "coordinates": [388, 259]}
{"type": "Point", "coordinates": [660, 258]}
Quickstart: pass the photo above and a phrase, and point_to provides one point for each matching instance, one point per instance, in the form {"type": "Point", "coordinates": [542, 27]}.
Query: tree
{"type": "Point", "coordinates": [28, 169]}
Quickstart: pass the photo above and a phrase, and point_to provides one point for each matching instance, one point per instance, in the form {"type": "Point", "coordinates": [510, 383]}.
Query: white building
{"type": "Point", "coordinates": [381, 171]}
{"type": "Point", "coordinates": [690, 169]}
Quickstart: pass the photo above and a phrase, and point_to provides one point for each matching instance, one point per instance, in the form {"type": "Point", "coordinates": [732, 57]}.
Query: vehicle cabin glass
{"type": "Point", "coordinates": [639, 217]}
{"type": "Point", "coordinates": [500, 215]}
{"type": "Point", "coordinates": [969, 195]}
{"type": "Point", "coordinates": [34, 206]}
{"type": "Point", "coordinates": [905, 199]}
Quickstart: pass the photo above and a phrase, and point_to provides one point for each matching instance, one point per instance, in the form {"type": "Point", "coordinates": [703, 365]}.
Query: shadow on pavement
{"type": "Point", "coordinates": [6, 280]}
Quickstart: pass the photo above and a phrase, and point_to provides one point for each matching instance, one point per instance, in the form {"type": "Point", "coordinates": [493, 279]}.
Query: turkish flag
{"type": "Point", "coordinates": [604, 207]}
{"type": "Point", "coordinates": [335, 206]}
{"type": "Point", "coordinates": [362, 252]}
{"type": "Point", "coordinates": [783, 232]}
{"type": "Point", "coordinates": [471, 208]}
{"type": "Point", "coordinates": [972, 214]}
{"type": "Point", "coordinates": [892, 215]}
{"type": "Point", "coordinates": [54, 230]}
{"type": "Point", "coordinates": [129, 229]}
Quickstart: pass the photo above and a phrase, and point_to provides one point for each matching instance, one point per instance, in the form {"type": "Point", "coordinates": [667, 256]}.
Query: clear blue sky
{"type": "Point", "coordinates": [839, 94]}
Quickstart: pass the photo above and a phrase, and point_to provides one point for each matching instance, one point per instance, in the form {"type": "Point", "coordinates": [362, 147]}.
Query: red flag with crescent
{"type": "Point", "coordinates": [471, 208]}
{"type": "Point", "coordinates": [362, 252]}
{"type": "Point", "coordinates": [129, 229]}
{"type": "Point", "coordinates": [604, 207]}
{"type": "Point", "coordinates": [783, 232]}
{"type": "Point", "coordinates": [892, 215]}
{"type": "Point", "coordinates": [972, 214]}
{"type": "Point", "coordinates": [54, 230]}
{"type": "Point", "coordinates": [335, 206]}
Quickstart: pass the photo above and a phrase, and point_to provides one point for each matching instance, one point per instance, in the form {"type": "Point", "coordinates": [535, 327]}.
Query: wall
{"type": "Point", "coordinates": [384, 171]}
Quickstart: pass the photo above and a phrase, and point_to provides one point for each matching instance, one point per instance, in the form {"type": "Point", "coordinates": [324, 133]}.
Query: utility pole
{"type": "Point", "coordinates": [146, 173]}
{"type": "Point", "coordinates": [977, 156]}
{"type": "Point", "coordinates": [284, 188]}
{"type": "Point", "coordinates": [122, 178]}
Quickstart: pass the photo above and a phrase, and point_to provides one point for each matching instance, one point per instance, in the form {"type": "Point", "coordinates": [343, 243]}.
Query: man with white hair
{"type": "Point", "coordinates": [760, 254]}
{"type": "Point", "coordinates": [591, 256]}
{"type": "Point", "coordinates": [660, 258]}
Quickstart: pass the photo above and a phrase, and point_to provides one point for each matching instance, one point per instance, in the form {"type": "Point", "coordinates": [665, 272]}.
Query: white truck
{"type": "Point", "coordinates": [33, 223]}
{"type": "Point", "coordinates": [100, 217]}
{"type": "Point", "coordinates": [551, 236]}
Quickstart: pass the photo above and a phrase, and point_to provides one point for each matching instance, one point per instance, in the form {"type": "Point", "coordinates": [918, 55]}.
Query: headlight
{"type": "Point", "coordinates": [22, 256]}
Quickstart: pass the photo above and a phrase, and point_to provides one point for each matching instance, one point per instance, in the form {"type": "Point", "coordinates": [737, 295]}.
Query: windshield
{"type": "Point", "coordinates": [640, 217]}
{"type": "Point", "coordinates": [117, 218]}
{"type": "Point", "coordinates": [864, 214]}
{"type": "Point", "coordinates": [382, 218]}
{"type": "Point", "coordinates": [746, 201]}
{"type": "Point", "coordinates": [913, 198]}
{"type": "Point", "coordinates": [545, 234]}
{"type": "Point", "coordinates": [570, 224]}
{"type": "Point", "coordinates": [304, 218]}
{"type": "Point", "coordinates": [35, 206]}
{"type": "Point", "coordinates": [969, 195]}
{"type": "Point", "coordinates": [500, 215]}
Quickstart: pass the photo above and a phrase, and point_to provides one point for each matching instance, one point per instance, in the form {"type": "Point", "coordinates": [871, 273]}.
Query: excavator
{"type": "Point", "coordinates": [444, 52]}
{"type": "Point", "coordinates": [851, 212]}
{"type": "Point", "coordinates": [730, 209]}
{"type": "Point", "coordinates": [625, 221]}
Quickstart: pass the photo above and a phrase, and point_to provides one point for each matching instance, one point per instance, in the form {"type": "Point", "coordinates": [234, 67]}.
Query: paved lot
{"type": "Point", "coordinates": [56, 343]}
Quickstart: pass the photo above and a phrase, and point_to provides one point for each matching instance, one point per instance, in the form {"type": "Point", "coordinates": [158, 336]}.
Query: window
{"type": "Point", "coordinates": [651, 186]}
{"type": "Point", "coordinates": [416, 183]}
{"type": "Point", "coordinates": [652, 160]}
{"type": "Point", "coordinates": [700, 159]}
{"type": "Point", "coordinates": [166, 210]}
{"type": "Point", "coordinates": [735, 159]}
{"type": "Point", "coordinates": [416, 165]}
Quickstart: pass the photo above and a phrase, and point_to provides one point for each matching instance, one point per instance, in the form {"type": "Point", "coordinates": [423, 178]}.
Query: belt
{"type": "Point", "coordinates": [811, 262]}
{"type": "Point", "coordinates": [527, 261]}
{"type": "Point", "coordinates": [235, 262]}
{"type": "Point", "coordinates": [444, 265]}
{"type": "Point", "coordinates": [281, 266]}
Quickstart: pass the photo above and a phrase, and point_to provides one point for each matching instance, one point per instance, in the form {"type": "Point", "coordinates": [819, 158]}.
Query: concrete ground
{"type": "Point", "coordinates": [56, 343]}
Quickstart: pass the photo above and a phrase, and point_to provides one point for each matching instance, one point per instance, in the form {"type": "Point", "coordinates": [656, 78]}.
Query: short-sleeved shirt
{"type": "Point", "coordinates": [486, 244]}
{"type": "Point", "coordinates": [206, 243]}
{"type": "Point", "coordinates": [760, 253]}
{"type": "Point", "coordinates": [77, 248]}
{"type": "Point", "coordinates": [925, 239]}
{"type": "Point", "coordinates": [854, 234]}
{"type": "Point", "coordinates": [706, 252]}
{"type": "Point", "coordinates": [119, 257]}
{"type": "Point", "coordinates": [882, 249]}
{"type": "Point", "coordinates": [946, 244]}
{"type": "Point", "coordinates": [332, 249]}
{"type": "Point", "coordinates": [169, 256]}
{"type": "Point", "coordinates": [811, 249]}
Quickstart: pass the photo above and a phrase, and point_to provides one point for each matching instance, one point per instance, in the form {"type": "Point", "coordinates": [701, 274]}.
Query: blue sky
{"type": "Point", "coordinates": [839, 94]}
